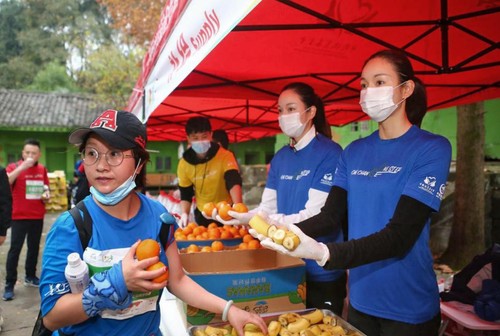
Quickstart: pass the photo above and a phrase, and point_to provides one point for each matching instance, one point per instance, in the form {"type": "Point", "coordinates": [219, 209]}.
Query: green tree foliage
{"type": "Point", "coordinates": [111, 75]}
{"type": "Point", "coordinates": [53, 78]}
{"type": "Point", "coordinates": [34, 33]}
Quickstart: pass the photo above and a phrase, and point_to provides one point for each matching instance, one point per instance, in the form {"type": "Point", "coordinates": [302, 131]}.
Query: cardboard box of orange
{"type": "Point", "coordinates": [182, 244]}
{"type": "Point", "coordinates": [261, 280]}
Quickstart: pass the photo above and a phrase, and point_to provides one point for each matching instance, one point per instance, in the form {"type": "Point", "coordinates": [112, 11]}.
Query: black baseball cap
{"type": "Point", "coordinates": [120, 129]}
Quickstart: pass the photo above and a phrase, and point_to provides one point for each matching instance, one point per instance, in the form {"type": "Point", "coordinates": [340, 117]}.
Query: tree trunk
{"type": "Point", "coordinates": [467, 237]}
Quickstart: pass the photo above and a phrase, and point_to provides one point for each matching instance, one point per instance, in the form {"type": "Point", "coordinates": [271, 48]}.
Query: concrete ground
{"type": "Point", "coordinates": [20, 314]}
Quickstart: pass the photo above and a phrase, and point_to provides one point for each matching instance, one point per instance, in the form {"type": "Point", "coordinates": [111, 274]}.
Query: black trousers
{"type": "Point", "coordinates": [21, 229]}
{"type": "Point", "coordinates": [376, 326]}
{"type": "Point", "coordinates": [327, 295]}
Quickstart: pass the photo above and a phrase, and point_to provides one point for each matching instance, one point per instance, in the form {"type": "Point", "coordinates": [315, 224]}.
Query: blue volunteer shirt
{"type": "Point", "coordinates": [293, 173]}
{"type": "Point", "coordinates": [375, 174]}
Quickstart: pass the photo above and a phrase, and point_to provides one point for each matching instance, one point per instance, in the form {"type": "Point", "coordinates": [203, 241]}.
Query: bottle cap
{"type": "Point", "coordinates": [73, 259]}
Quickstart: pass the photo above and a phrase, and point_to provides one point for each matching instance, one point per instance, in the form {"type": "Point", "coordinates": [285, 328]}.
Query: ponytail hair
{"type": "Point", "coordinates": [310, 98]}
{"type": "Point", "coordinates": [416, 104]}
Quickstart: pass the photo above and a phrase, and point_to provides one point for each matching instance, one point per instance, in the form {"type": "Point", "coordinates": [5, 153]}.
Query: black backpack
{"type": "Point", "coordinates": [84, 226]}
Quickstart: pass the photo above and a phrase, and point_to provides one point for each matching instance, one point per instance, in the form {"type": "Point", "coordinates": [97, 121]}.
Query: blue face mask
{"type": "Point", "coordinates": [200, 147]}
{"type": "Point", "coordinates": [119, 193]}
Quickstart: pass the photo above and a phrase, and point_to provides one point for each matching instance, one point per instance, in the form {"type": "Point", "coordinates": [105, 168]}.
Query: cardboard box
{"type": "Point", "coordinates": [262, 281]}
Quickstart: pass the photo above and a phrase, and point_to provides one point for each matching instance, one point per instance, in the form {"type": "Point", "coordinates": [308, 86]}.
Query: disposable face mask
{"type": "Point", "coordinates": [290, 124]}
{"type": "Point", "coordinates": [377, 102]}
{"type": "Point", "coordinates": [200, 147]}
{"type": "Point", "coordinates": [117, 195]}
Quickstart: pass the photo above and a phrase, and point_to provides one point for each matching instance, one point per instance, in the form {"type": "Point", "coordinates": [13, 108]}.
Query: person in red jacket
{"type": "Point", "coordinates": [29, 183]}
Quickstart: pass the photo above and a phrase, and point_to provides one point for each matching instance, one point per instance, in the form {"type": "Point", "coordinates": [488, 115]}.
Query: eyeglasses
{"type": "Point", "coordinates": [113, 157]}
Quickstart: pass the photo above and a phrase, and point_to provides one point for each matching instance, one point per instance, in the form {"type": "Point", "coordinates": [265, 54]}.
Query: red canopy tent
{"type": "Point", "coordinates": [454, 47]}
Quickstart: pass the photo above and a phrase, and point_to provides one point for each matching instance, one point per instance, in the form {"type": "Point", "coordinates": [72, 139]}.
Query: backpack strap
{"type": "Point", "coordinates": [83, 225]}
{"type": "Point", "coordinates": [167, 228]}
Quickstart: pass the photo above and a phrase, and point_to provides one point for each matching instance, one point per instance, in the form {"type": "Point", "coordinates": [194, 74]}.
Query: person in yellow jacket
{"type": "Point", "coordinates": [206, 171]}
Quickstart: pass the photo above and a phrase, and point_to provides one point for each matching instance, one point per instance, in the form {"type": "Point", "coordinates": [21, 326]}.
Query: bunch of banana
{"type": "Point", "coordinates": [280, 236]}
{"type": "Point", "coordinates": [215, 331]}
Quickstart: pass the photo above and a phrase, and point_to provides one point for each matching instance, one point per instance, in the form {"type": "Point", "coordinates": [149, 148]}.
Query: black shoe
{"type": "Point", "coordinates": [8, 294]}
{"type": "Point", "coordinates": [32, 282]}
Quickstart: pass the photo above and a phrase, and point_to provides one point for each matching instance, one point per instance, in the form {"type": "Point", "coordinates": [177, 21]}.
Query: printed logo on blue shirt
{"type": "Point", "coordinates": [302, 174]}
{"type": "Point", "coordinates": [377, 171]}
{"type": "Point", "coordinates": [58, 289]}
{"type": "Point", "coordinates": [428, 184]}
{"type": "Point", "coordinates": [440, 193]}
{"type": "Point", "coordinates": [327, 179]}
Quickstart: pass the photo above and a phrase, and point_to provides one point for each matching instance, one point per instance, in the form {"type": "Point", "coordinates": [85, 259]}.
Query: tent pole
{"type": "Point", "coordinates": [144, 104]}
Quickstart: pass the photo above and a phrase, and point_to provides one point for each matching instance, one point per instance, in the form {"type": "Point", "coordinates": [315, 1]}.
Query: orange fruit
{"type": "Point", "coordinates": [214, 233]}
{"type": "Point", "coordinates": [198, 230]}
{"type": "Point", "coordinates": [240, 207]}
{"type": "Point", "coordinates": [243, 246]}
{"type": "Point", "coordinates": [208, 208]}
{"type": "Point", "coordinates": [156, 266]}
{"type": "Point", "coordinates": [253, 244]}
{"type": "Point", "coordinates": [212, 225]}
{"type": "Point", "coordinates": [226, 235]}
{"type": "Point", "coordinates": [242, 231]}
{"type": "Point", "coordinates": [246, 238]}
{"type": "Point", "coordinates": [217, 246]}
{"type": "Point", "coordinates": [148, 248]}
{"type": "Point", "coordinates": [193, 248]}
{"type": "Point", "coordinates": [206, 249]}
{"type": "Point", "coordinates": [223, 209]}
{"type": "Point", "coordinates": [221, 203]}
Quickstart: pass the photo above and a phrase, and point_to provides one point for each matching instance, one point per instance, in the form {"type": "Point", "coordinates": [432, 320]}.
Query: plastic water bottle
{"type": "Point", "coordinates": [77, 273]}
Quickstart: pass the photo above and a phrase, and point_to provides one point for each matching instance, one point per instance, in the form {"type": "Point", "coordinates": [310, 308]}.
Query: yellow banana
{"type": "Point", "coordinates": [253, 333]}
{"type": "Point", "coordinates": [315, 329]}
{"type": "Point", "coordinates": [251, 327]}
{"type": "Point", "coordinates": [291, 241]}
{"type": "Point", "coordinates": [278, 236]}
{"type": "Point", "coordinates": [213, 331]}
{"type": "Point", "coordinates": [298, 325]}
{"type": "Point", "coordinates": [273, 328]}
{"type": "Point", "coordinates": [316, 316]}
{"type": "Point", "coordinates": [259, 224]}
{"type": "Point", "coordinates": [199, 332]}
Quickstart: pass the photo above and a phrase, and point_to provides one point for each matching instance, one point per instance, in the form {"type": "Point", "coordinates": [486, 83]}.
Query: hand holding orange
{"type": "Point", "coordinates": [156, 266]}
{"type": "Point", "coordinates": [148, 248]}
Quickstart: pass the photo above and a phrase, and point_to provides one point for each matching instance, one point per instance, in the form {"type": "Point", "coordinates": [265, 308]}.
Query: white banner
{"type": "Point", "coordinates": [202, 25]}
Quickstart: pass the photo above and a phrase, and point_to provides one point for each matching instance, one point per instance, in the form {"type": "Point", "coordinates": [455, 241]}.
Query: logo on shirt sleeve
{"type": "Point", "coordinates": [428, 185]}
{"type": "Point", "coordinates": [327, 179]}
{"type": "Point", "coordinates": [440, 193]}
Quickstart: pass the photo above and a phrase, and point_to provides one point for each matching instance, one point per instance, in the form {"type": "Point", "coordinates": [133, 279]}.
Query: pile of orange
{"type": "Point", "coordinates": [213, 232]}
{"type": "Point", "coordinates": [216, 245]}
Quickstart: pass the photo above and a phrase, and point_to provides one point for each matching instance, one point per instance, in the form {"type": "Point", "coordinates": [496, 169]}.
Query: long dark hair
{"type": "Point", "coordinates": [416, 104]}
{"type": "Point", "coordinates": [310, 98]}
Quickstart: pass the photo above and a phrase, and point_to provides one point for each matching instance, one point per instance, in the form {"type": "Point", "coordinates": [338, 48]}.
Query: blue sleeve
{"type": "Point", "coordinates": [61, 240]}
{"type": "Point", "coordinates": [340, 177]}
{"type": "Point", "coordinates": [427, 181]}
{"type": "Point", "coordinates": [323, 179]}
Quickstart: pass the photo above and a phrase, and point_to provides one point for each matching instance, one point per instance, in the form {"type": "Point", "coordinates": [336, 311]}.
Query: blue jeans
{"type": "Point", "coordinates": [20, 229]}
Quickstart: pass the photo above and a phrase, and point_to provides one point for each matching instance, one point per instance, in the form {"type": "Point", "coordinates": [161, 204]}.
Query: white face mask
{"type": "Point", "coordinates": [291, 125]}
{"type": "Point", "coordinates": [377, 102]}
{"type": "Point", "coordinates": [201, 146]}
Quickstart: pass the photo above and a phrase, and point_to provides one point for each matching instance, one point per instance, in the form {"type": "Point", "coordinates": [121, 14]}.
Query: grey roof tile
{"type": "Point", "coordinates": [21, 108]}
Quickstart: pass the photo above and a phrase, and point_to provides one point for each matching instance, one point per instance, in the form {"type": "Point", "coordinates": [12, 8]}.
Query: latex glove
{"type": "Point", "coordinates": [307, 249]}
{"type": "Point", "coordinates": [183, 221]}
{"type": "Point", "coordinates": [239, 218]}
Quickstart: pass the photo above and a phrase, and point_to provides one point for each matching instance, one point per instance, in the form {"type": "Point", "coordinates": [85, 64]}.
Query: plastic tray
{"type": "Point", "coordinates": [351, 330]}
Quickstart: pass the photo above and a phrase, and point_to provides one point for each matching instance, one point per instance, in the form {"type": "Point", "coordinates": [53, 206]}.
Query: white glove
{"type": "Point", "coordinates": [183, 221]}
{"type": "Point", "coordinates": [307, 249]}
{"type": "Point", "coordinates": [239, 218]}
